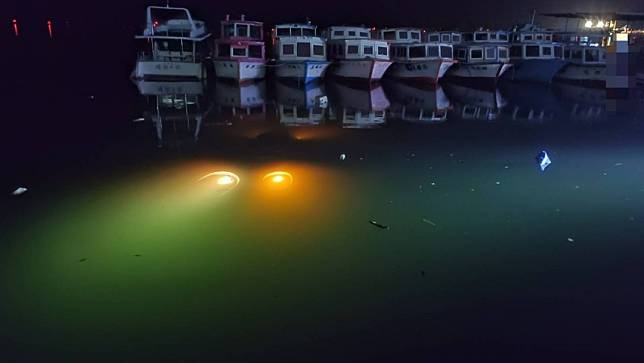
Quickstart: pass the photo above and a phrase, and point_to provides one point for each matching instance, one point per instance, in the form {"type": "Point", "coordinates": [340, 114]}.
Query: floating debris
{"type": "Point", "coordinates": [498, 183]}
{"type": "Point", "coordinates": [433, 184]}
{"type": "Point", "coordinates": [343, 157]}
{"type": "Point", "coordinates": [571, 240]}
{"type": "Point", "coordinates": [136, 255]}
{"type": "Point", "coordinates": [472, 190]}
{"type": "Point", "coordinates": [425, 220]}
{"type": "Point", "coordinates": [506, 167]}
{"type": "Point", "coordinates": [140, 119]}
{"type": "Point", "coordinates": [577, 187]}
{"type": "Point", "coordinates": [19, 191]}
{"type": "Point", "coordinates": [544, 160]}
{"type": "Point", "coordinates": [619, 164]}
{"type": "Point", "coordinates": [422, 272]}
{"type": "Point", "coordinates": [381, 226]}
{"type": "Point", "coordinates": [82, 260]}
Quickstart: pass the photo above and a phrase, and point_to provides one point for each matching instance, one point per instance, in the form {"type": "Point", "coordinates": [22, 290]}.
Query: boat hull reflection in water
{"type": "Point", "coordinates": [300, 105]}
{"type": "Point", "coordinates": [414, 104]}
{"type": "Point", "coordinates": [357, 107]}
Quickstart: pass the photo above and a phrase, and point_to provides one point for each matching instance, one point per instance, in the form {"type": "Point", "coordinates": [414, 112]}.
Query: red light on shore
{"type": "Point", "coordinates": [50, 28]}
{"type": "Point", "coordinates": [14, 25]}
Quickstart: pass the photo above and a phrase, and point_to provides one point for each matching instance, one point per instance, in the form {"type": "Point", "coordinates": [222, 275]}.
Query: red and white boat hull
{"type": "Point", "coordinates": [240, 70]}
{"type": "Point", "coordinates": [366, 69]}
{"type": "Point", "coordinates": [423, 71]}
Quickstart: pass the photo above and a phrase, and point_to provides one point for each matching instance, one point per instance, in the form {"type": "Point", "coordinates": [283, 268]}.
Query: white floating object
{"type": "Point", "coordinates": [140, 119]}
{"type": "Point", "coordinates": [570, 240]}
{"type": "Point", "coordinates": [425, 220]}
{"type": "Point", "coordinates": [19, 191]}
{"type": "Point", "coordinates": [544, 160]}
{"type": "Point", "coordinates": [343, 156]}
{"type": "Point", "coordinates": [323, 101]}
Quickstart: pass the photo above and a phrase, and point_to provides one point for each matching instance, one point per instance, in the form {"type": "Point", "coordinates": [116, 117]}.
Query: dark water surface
{"type": "Point", "coordinates": [118, 253]}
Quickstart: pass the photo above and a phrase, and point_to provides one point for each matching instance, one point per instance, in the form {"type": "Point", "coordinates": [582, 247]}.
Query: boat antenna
{"type": "Point", "coordinates": [167, 3]}
{"type": "Point", "coordinates": [534, 13]}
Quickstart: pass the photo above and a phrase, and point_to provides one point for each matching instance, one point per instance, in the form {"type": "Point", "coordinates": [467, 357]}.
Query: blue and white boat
{"type": "Point", "coordinates": [300, 53]}
{"type": "Point", "coordinates": [535, 57]}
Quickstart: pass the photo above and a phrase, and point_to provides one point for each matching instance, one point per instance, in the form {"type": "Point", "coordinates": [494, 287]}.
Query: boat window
{"type": "Point", "coordinates": [527, 37]}
{"type": "Point", "coordinates": [532, 51]}
{"type": "Point", "coordinates": [352, 33]}
{"type": "Point", "coordinates": [456, 38]}
{"type": "Point", "coordinates": [558, 51]}
{"type": "Point", "coordinates": [255, 51]}
{"type": "Point", "coordinates": [503, 36]}
{"type": "Point", "coordinates": [382, 51]}
{"type": "Point", "coordinates": [493, 36]}
{"type": "Point", "coordinates": [303, 49]}
{"type": "Point", "coordinates": [255, 31]}
{"type": "Point", "coordinates": [432, 51]}
{"type": "Point", "coordinates": [546, 51]}
{"type": "Point", "coordinates": [364, 34]}
{"type": "Point", "coordinates": [415, 35]}
{"type": "Point", "coordinates": [503, 53]}
{"type": "Point", "coordinates": [389, 35]}
{"type": "Point", "coordinates": [434, 38]}
{"type": "Point", "coordinates": [445, 38]}
{"type": "Point", "coordinates": [490, 53]}
{"type": "Point", "coordinates": [288, 49]}
{"type": "Point", "coordinates": [462, 54]}
{"type": "Point", "coordinates": [468, 37]}
{"type": "Point", "coordinates": [223, 50]}
{"type": "Point", "coordinates": [417, 52]}
{"type": "Point", "coordinates": [402, 35]}
{"type": "Point", "coordinates": [296, 32]}
{"type": "Point", "coordinates": [516, 51]}
{"type": "Point", "coordinates": [446, 52]}
{"type": "Point", "coordinates": [283, 32]}
{"type": "Point", "coordinates": [367, 50]}
{"type": "Point", "coordinates": [539, 36]}
{"type": "Point", "coordinates": [548, 37]}
{"type": "Point", "coordinates": [592, 55]}
{"type": "Point", "coordinates": [476, 53]}
{"type": "Point", "coordinates": [308, 32]}
{"type": "Point", "coordinates": [338, 33]}
{"type": "Point", "coordinates": [318, 50]}
{"type": "Point", "coordinates": [576, 54]}
{"type": "Point", "coordinates": [242, 30]}
{"type": "Point", "coordinates": [229, 30]}
{"type": "Point", "coordinates": [480, 36]}
{"type": "Point", "coordinates": [239, 52]}
{"type": "Point", "coordinates": [352, 49]}
{"type": "Point", "coordinates": [567, 53]}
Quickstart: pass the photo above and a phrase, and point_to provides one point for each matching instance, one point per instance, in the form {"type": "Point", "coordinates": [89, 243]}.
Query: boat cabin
{"type": "Point", "coordinates": [530, 33]}
{"type": "Point", "coordinates": [347, 32]}
{"type": "Point", "coordinates": [240, 40]}
{"type": "Point", "coordinates": [487, 36]}
{"type": "Point", "coordinates": [358, 49]}
{"type": "Point", "coordinates": [172, 35]}
{"type": "Point", "coordinates": [294, 30]}
{"type": "Point", "coordinates": [445, 37]}
{"type": "Point", "coordinates": [296, 48]}
{"type": "Point", "coordinates": [579, 54]}
{"type": "Point", "coordinates": [536, 51]}
{"type": "Point", "coordinates": [400, 35]}
{"type": "Point", "coordinates": [421, 51]}
{"type": "Point", "coordinates": [482, 53]}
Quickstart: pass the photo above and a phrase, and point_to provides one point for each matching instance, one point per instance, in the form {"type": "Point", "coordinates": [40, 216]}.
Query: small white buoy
{"type": "Point", "coordinates": [140, 119]}
{"type": "Point", "coordinates": [19, 191]}
{"type": "Point", "coordinates": [343, 156]}
{"type": "Point", "coordinates": [498, 183]}
{"type": "Point", "coordinates": [571, 240]}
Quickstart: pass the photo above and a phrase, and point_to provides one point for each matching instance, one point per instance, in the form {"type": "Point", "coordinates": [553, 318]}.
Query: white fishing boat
{"type": "Point", "coordinates": [240, 51]}
{"type": "Point", "coordinates": [173, 46]}
{"type": "Point", "coordinates": [300, 53]}
{"type": "Point", "coordinates": [586, 56]}
{"type": "Point", "coordinates": [355, 55]}
{"type": "Point", "coordinates": [535, 57]}
{"type": "Point", "coordinates": [483, 57]}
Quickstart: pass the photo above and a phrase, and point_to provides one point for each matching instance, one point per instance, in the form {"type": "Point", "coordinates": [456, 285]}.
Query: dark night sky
{"type": "Point", "coordinates": [433, 14]}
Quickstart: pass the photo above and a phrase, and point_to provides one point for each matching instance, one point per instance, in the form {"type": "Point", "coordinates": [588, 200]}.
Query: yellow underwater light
{"type": "Point", "coordinates": [222, 179]}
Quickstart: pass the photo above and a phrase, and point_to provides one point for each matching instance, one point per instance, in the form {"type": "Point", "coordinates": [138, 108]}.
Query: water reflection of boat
{"type": "Point", "coordinates": [476, 103]}
{"type": "Point", "coordinates": [299, 105]}
{"type": "Point", "coordinates": [585, 104]}
{"type": "Point", "coordinates": [357, 107]}
{"type": "Point", "coordinates": [240, 101]}
{"type": "Point", "coordinates": [409, 103]}
{"type": "Point", "coordinates": [181, 104]}
{"type": "Point", "coordinates": [531, 102]}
